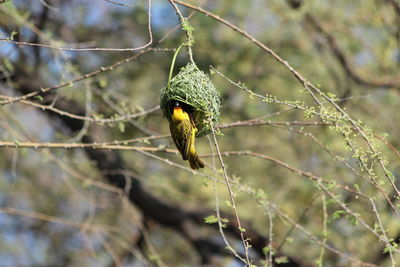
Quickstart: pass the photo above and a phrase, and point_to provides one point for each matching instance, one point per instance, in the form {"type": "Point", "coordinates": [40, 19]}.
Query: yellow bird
{"type": "Point", "coordinates": [183, 132]}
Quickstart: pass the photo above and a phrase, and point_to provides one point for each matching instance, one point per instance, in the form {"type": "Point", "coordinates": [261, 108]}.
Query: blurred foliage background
{"type": "Point", "coordinates": [314, 175]}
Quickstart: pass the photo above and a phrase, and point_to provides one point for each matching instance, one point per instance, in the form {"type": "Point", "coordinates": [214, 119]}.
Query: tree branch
{"type": "Point", "coordinates": [166, 214]}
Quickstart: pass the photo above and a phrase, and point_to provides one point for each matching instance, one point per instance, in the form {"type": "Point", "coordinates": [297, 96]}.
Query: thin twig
{"type": "Point", "coordinates": [78, 79]}
{"type": "Point", "coordinates": [383, 230]}
{"type": "Point", "coordinates": [255, 122]}
{"type": "Point", "coordinates": [52, 219]}
{"type": "Point", "coordinates": [119, 4]}
{"type": "Point", "coordinates": [324, 231]}
{"type": "Point", "coordinates": [302, 215]}
{"type": "Point", "coordinates": [87, 118]}
{"type": "Point", "coordinates": [117, 146]}
{"type": "Point", "coordinates": [320, 242]}
{"type": "Point", "coordinates": [110, 250]}
{"type": "Point", "coordinates": [345, 117]}
{"type": "Point", "coordinates": [217, 209]}
{"type": "Point", "coordinates": [319, 181]}
{"type": "Point", "coordinates": [150, 42]}
{"type": "Point", "coordinates": [183, 22]}
{"type": "Point", "coordinates": [232, 199]}
{"type": "Point", "coordinates": [385, 82]}
{"type": "Point", "coordinates": [310, 88]}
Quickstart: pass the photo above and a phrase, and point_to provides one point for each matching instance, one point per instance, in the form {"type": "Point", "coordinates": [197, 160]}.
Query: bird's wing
{"type": "Point", "coordinates": [182, 137]}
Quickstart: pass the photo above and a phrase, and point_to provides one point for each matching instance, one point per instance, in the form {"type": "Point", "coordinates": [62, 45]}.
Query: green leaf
{"type": "Point", "coordinates": [211, 219]}
{"type": "Point", "coordinates": [39, 97]}
{"type": "Point", "coordinates": [338, 214]}
{"type": "Point", "coordinates": [280, 260]}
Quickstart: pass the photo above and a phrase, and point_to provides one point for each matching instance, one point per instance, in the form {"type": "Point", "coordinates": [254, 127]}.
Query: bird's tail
{"type": "Point", "coordinates": [195, 162]}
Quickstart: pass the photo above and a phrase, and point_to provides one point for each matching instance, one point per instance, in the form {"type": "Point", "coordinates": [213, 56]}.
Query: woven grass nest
{"type": "Point", "coordinates": [194, 88]}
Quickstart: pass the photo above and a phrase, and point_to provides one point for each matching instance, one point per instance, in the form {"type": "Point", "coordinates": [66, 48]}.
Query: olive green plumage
{"type": "Point", "coordinates": [193, 87]}
{"type": "Point", "coordinates": [181, 132]}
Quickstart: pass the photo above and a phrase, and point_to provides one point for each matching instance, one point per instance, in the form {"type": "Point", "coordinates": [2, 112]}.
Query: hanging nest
{"type": "Point", "coordinates": [193, 88]}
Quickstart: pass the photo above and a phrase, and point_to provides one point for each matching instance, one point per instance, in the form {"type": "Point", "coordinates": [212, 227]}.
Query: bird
{"type": "Point", "coordinates": [183, 132]}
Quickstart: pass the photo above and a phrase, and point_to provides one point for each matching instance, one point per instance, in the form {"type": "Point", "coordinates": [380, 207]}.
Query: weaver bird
{"type": "Point", "coordinates": [183, 132]}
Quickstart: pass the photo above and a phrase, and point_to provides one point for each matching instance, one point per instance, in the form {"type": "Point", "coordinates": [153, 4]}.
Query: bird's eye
{"type": "Point", "coordinates": [176, 104]}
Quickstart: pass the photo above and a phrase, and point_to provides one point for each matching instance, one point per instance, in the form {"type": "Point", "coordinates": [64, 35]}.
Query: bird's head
{"type": "Point", "coordinates": [175, 105]}
{"type": "Point", "coordinates": [179, 107]}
